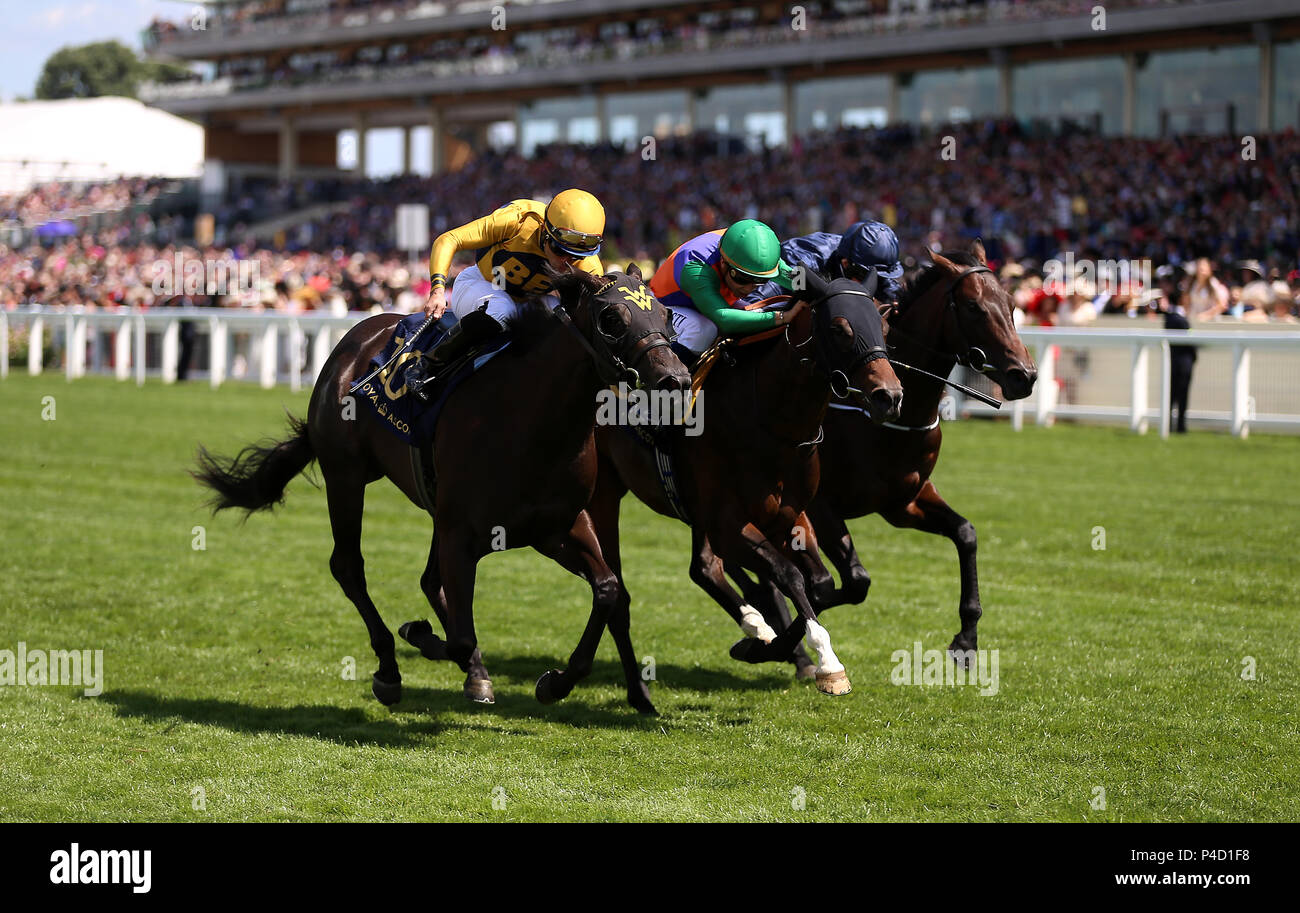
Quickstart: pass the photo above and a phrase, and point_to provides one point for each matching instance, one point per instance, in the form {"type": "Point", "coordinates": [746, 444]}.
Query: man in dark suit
{"type": "Point", "coordinates": [1182, 359]}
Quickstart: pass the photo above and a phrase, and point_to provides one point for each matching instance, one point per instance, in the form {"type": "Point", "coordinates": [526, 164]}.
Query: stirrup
{"type": "Point", "coordinates": [418, 380]}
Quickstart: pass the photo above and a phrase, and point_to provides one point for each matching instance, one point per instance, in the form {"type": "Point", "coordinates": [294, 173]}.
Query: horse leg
{"type": "Point", "coordinates": [578, 552]}
{"type": "Point", "coordinates": [419, 634]}
{"type": "Point", "coordinates": [758, 554]}
{"type": "Point", "coordinates": [931, 514]}
{"type": "Point", "coordinates": [709, 573]}
{"type": "Point", "coordinates": [603, 511]}
{"type": "Point", "coordinates": [806, 555]}
{"type": "Point", "coordinates": [346, 494]}
{"type": "Point", "coordinates": [458, 564]}
{"type": "Point", "coordinates": [835, 541]}
{"type": "Point", "coordinates": [768, 600]}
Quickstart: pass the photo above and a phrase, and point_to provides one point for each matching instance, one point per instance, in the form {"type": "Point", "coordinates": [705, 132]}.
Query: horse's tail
{"type": "Point", "coordinates": [256, 478]}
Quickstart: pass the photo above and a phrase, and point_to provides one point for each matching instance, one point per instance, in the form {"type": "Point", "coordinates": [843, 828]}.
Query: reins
{"type": "Point", "coordinates": [968, 359]}
{"type": "Point", "coordinates": [611, 367]}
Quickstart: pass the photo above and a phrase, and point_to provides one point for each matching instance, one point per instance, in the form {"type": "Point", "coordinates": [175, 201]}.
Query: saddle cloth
{"type": "Point", "coordinates": [404, 414]}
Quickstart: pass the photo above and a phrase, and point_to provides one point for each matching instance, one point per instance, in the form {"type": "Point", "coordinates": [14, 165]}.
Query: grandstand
{"type": "Point", "coordinates": [286, 77]}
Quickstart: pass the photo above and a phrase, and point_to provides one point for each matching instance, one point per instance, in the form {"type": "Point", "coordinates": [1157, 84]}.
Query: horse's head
{"type": "Point", "coordinates": [627, 326]}
{"type": "Point", "coordinates": [977, 327]}
{"type": "Point", "coordinates": [850, 346]}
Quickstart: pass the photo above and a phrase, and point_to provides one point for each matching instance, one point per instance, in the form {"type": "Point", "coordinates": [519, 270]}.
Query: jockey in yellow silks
{"type": "Point", "coordinates": [512, 248]}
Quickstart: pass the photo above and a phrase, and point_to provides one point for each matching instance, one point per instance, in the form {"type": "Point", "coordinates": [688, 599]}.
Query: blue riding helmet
{"type": "Point", "coordinates": [873, 245]}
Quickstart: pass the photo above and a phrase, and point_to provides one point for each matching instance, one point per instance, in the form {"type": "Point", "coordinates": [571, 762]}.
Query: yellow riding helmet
{"type": "Point", "coordinates": [575, 223]}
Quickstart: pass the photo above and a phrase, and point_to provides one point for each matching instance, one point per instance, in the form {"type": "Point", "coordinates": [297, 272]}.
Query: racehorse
{"type": "Point", "coordinates": [744, 481]}
{"type": "Point", "coordinates": [953, 312]}
{"type": "Point", "coordinates": [513, 451]}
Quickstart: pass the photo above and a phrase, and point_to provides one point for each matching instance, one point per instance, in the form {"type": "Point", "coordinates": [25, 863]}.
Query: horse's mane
{"type": "Point", "coordinates": [922, 282]}
{"type": "Point", "coordinates": [534, 320]}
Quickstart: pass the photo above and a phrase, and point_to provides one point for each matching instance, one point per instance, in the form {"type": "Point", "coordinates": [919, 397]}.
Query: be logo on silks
{"type": "Point", "coordinates": [408, 417]}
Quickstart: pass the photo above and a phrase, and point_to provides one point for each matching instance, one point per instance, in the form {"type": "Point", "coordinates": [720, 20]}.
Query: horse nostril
{"type": "Point", "coordinates": [1020, 382]}
{"type": "Point", "coordinates": [887, 402]}
{"type": "Point", "coordinates": [671, 383]}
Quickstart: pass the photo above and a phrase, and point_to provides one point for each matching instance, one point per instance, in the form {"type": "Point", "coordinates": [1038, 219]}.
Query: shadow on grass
{"type": "Point", "coordinates": [520, 672]}
{"type": "Point", "coordinates": [422, 714]}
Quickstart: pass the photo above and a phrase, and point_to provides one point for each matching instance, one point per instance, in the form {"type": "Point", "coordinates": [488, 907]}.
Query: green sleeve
{"type": "Point", "coordinates": [703, 286]}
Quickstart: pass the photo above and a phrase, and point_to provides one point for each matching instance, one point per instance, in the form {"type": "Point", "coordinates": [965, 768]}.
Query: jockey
{"type": "Point", "coordinates": [865, 246]}
{"type": "Point", "coordinates": [512, 247]}
{"type": "Point", "coordinates": [702, 281]}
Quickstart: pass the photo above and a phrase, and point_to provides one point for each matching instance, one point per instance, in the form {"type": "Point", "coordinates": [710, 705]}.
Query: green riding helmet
{"type": "Point", "coordinates": [752, 248]}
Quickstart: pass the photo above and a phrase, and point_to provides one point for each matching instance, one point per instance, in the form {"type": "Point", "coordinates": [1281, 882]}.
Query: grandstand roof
{"type": "Point", "coordinates": [94, 139]}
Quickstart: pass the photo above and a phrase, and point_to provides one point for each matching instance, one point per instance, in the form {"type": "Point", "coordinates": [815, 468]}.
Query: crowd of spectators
{"type": "Point", "coordinates": [1221, 233]}
{"type": "Point", "coordinates": [566, 42]}
{"type": "Point", "coordinates": [65, 200]}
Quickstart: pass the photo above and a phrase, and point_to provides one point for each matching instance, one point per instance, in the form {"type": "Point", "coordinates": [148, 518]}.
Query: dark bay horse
{"type": "Point", "coordinates": [746, 478]}
{"type": "Point", "coordinates": [953, 312]}
{"type": "Point", "coordinates": [514, 454]}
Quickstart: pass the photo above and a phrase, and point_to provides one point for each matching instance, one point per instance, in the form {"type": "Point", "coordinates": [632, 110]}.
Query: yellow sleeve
{"type": "Point", "coordinates": [592, 265]}
{"type": "Point", "coordinates": [491, 229]}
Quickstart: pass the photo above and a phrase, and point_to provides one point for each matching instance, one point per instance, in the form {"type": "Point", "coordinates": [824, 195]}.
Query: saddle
{"type": "Point", "coordinates": [413, 421]}
{"type": "Point", "coordinates": [664, 444]}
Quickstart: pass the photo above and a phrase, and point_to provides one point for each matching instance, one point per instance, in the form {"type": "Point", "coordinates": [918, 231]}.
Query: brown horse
{"type": "Point", "coordinates": [953, 312]}
{"type": "Point", "coordinates": [514, 454]}
{"type": "Point", "coordinates": [745, 480]}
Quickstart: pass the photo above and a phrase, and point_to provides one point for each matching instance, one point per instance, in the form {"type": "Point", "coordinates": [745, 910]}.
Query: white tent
{"type": "Point", "coordinates": [94, 139]}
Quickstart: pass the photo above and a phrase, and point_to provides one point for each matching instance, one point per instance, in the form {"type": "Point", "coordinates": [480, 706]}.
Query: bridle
{"type": "Point", "coordinates": [841, 387]}
{"type": "Point", "coordinates": [971, 356]}
{"type": "Point", "coordinates": [610, 365]}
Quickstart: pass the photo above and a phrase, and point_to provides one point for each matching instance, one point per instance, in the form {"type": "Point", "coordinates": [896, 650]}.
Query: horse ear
{"type": "Point", "coordinates": [814, 286]}
{"type": "Point", "coordinates": [977, 248]}
{"type": "Point", "coordinates": [940, 260]}
{"type": "Point", "coordinates": [634, 271]}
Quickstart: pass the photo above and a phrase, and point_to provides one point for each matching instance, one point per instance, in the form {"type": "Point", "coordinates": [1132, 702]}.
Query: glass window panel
{"type": "Point", "coordinates": [850, 101]}
{"type": "Point", "coordinates": [1082, 91]}
{"type": "Point", "coordinates": [942, 96]}
{"type": "Point", "coordinates": [1199, 91]}
{"type": "Point", "coordinates": [1286, 85]}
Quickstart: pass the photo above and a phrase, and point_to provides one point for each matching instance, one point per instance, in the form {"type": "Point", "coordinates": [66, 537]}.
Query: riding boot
{"type": "Point", "coordinates": [685, 355]}
{"type": "Point", "coordinates": [473, 329]}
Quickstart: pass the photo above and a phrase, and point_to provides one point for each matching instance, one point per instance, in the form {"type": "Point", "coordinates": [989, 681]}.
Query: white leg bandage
{"type": "Point", "coordinates": [820, 640]}
{"type": "Point", "coordinates": [752, 623]}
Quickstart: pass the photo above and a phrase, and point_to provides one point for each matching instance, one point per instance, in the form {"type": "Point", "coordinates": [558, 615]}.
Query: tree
{"type": "Point", "coordinates": [102, 68]}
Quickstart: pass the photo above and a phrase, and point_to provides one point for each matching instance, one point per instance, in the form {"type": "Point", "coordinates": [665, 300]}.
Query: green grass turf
{"type": "Point", "coordinates": [1119, 669]}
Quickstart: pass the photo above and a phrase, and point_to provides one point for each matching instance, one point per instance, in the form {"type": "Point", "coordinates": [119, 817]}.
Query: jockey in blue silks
{"type": "Point", "coordinates": [865, 246]}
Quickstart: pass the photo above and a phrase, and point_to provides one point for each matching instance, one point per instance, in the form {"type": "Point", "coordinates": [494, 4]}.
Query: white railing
{"type": "Point", "coordinates": [267, 347]}
{"type": "Point", "coordinates": [1127, 379]}
{"type": "Point", "coordinates": [1120, 386]}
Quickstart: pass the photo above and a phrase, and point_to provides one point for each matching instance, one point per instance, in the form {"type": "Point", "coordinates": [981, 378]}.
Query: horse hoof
{"type": "Point", "coordinates": [419, 634]}
{"type": "Point", "coordinates": [387, 693]}
{"type": "Point", "coordinates": [833, 683]}
{"type": "Point", "coordinates": [479, 690]}
{"type": "Point", "coordinates": [639, 698]}
{"type": "Point", "coordinates": [805, 673]}
{"type": "Point", "coordinates": [748, 650]}
{"type": "Point", "coordinates": [415, 629]}
{"type": "Point", "coordinates": [962, 655]}
{"type": "Point", "coordinates": [545, 690]}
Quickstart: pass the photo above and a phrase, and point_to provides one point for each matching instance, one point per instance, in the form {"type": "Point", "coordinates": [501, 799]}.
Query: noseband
{"type": "Point", "coordinates": [841, 387]}
{"type": "Point", "coordinates": [972, 357]}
